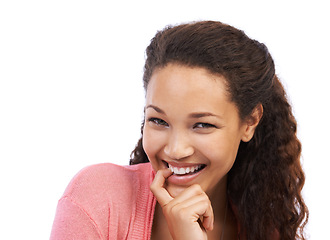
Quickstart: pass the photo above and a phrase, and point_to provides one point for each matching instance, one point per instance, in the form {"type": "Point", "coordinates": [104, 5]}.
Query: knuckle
{"type": "Point", "coordinates": [182, 213]}
{"type": "Point", "coordinates": [166, 210]}
{"type": "Point", "coordinates": [175, 209]}
{"type": "Point", "coordinates": [197, 188]}
{"type": "Point", "coordinates": [169, 211]}
{"type": "Point", "coordinates": [152, 188]}
{"type": "Point", "coordinates": [204, 198]}
{"type": "Point", "coordinates": [206, 204]}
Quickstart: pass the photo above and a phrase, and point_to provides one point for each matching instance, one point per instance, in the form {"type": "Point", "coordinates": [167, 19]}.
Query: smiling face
{"type": "Point", "coordinates": [191, 127]}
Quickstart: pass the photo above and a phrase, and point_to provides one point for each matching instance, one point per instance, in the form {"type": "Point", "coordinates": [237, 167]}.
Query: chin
{"type": "Point", "coordinates": [174, 191]}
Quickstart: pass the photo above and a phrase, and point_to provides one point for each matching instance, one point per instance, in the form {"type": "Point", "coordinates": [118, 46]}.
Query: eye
{"type": "Point", "coordinates": [158, 121]}
{"type": "Point", "coordinates": [204, 125]}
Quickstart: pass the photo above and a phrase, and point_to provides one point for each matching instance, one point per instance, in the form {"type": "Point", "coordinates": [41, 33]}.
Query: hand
{"type": "Point", "coordinates": [188, 215]}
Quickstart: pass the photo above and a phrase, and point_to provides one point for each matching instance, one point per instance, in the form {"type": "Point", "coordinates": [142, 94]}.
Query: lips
{"type": "Point", "coordinates": [184, 174]}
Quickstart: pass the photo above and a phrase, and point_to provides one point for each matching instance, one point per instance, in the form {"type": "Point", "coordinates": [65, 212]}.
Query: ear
{"type": "Point", "coordinates": [252, 122]}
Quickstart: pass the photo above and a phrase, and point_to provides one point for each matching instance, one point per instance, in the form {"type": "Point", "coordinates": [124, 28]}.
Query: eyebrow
{"type": "Point", "coordinates": [192, 115]}
{"type": "Point", "coordinates": [157, 109]}
{"type": "Point", "coordinates": [203, 114]}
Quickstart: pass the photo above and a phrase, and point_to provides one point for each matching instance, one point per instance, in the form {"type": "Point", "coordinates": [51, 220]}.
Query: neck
{"type": "Point", "coordinates": [219, 199]}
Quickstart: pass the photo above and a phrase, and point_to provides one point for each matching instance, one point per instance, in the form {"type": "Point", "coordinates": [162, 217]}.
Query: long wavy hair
{"type": "Point", "coordinates": [266, 179]}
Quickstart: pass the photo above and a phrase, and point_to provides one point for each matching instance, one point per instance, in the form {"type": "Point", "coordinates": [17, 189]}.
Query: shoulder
{"type": "Point", "coordinates": [106, 179]}
{"type": "Point", "coordinates": [101, 192]}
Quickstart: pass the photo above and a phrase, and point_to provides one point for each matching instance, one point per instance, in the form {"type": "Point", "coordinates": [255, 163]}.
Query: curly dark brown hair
{"type": "Point", "coordinates": [266, 180]}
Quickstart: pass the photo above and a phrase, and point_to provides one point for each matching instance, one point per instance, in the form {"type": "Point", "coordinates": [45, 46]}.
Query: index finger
{"type": "Point", "coordinates": [157, 187]}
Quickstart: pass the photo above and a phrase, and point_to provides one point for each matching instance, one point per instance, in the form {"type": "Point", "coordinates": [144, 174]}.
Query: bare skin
{"type": "Point", "coordinates": [191, 125]}
{"type": "Point", "coordinates": [192, 202]}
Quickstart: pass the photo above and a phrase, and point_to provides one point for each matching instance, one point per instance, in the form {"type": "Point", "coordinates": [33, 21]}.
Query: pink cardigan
{"type": "Point", "coordinates": [106, 201]}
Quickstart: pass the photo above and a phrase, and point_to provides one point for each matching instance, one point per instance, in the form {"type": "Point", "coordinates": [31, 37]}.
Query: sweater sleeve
{"type": "Point", "coordinates": [72, 223]}
{"type": "Point", "coordinates": [106, 201]}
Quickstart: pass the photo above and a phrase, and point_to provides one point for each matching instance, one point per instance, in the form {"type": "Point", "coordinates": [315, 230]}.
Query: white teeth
{"type": "Point", "coordinates": [182, 171]}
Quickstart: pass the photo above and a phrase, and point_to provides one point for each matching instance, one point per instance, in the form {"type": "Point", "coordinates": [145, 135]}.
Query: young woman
{"type": "Point", "coordinates": [218, 157]}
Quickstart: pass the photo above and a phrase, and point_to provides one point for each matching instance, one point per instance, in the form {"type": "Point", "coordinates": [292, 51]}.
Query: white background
{"type": "Point", "coordinates": [71, 91]}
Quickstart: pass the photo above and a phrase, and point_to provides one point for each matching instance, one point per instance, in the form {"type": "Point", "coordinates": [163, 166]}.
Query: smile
{"type": "Point", "coordinates": [185, 170]}
{"type": "Point", "coordinates": [184, 173]}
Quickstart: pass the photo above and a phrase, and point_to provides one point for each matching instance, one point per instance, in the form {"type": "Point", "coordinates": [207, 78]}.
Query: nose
{"type": "Point", "coordinates": [178, 146]}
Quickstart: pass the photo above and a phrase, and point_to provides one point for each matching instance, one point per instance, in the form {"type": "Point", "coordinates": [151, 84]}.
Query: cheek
{"type": "Point", "coordinates": [220, 150]}
{"type": "Point", "coordinates": [147, 147]}
{"type": "Point", "coordinates": [152, 144]}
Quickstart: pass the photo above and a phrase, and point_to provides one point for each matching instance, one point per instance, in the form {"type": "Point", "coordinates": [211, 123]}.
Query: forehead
{"type": "Point", "coordinates": [179, 78]}
{"type": "Point", "coordinates": [187, 87]}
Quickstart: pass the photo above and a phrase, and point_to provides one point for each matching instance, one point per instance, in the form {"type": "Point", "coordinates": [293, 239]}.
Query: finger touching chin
{"type": "Point", "coordinates": [174, 190]}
